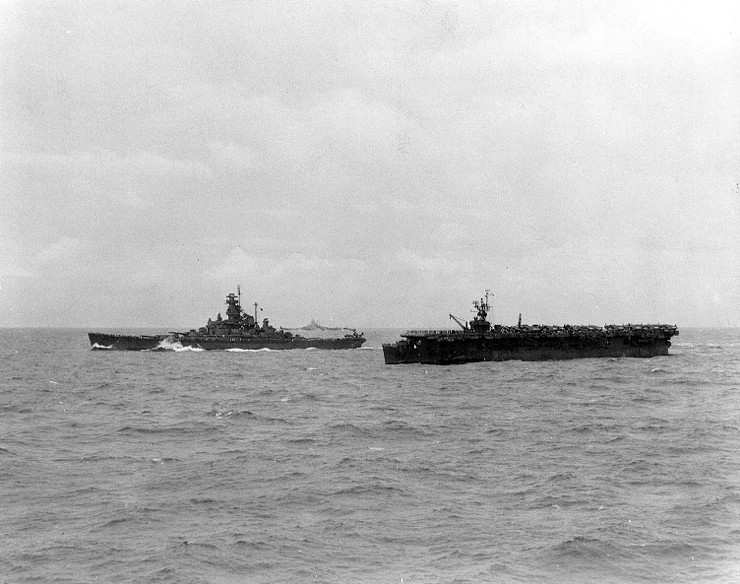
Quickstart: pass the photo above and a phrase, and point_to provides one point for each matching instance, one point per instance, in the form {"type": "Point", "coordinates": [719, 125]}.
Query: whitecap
{"type": "Point", "coordinates": [178, 348]}
{"type": "Point", "coordinates": [169, 345]}
{"type": "Point", "coordinates": [238, 350]}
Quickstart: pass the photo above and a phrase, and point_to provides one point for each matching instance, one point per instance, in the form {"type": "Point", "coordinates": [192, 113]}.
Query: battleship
{"type": "Point", "coordinates": [239, 330]}
{"type": "Point", "coordinates": [479, 340]}
{"type": "Point", "coordinates": [315, 326]}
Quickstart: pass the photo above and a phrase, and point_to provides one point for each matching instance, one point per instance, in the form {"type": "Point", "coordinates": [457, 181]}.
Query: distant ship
{"type": "Point", "coordinates": [315, 326]}
{"type": "Point", "coordinates": [481, 341]}
{"type": "Point", "coordinates": [238, 330]}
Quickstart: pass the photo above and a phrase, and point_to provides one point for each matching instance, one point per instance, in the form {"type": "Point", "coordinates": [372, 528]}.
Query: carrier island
{"type": "Point", "coordinates": [239, 330]}
{"type": "Point", "coordinates": [479, 340]}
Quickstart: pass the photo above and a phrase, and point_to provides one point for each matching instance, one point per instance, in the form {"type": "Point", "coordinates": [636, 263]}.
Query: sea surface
{"type": "Point", "coordinates": [330, 466]}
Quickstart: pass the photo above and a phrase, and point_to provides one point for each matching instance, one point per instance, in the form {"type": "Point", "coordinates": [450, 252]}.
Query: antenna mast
{"type": "Point", "coordinates": [488, 305]}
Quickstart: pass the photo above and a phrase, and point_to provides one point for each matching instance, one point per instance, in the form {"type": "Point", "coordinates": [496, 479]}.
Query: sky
{"type": "Point", "coordinates": [369, 163]}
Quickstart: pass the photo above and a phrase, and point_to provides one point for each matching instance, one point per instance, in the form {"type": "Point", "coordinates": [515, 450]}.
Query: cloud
{"type": "Point", "coordinates": [232, 157]}
{"type": "Point", "coordinates": [10, 270]}
{"type": "Point", "coordinates": [235, 266]}
{"type": "Point", "coordinates": [61, 251]}
{"type": "Point", "coordinates": [103, 163]}
{"type": "Point", "coordinates": [273, 270]}
{"type": "Point", "coordinates": [380, 160]}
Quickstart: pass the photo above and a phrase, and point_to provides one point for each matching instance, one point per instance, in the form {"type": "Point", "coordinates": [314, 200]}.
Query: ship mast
{"type": "Point", "coordinates": [482, 305]}
{"type": "Point", "coordinates": [479, 324]}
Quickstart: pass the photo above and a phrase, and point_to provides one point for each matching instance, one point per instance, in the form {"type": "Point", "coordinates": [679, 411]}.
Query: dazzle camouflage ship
{"type": "Point", "coordinates": [479, 340]}
{"type": "Point", "coordinates": [238, 330]}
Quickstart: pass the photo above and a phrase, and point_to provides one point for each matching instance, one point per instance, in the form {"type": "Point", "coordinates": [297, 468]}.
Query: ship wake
{"type": "Point", "coordinates": [96, 347]}
{"type": "Point", "coordinates": [238, 350]}
{"type": "Point", "coordinates": [169, 345]}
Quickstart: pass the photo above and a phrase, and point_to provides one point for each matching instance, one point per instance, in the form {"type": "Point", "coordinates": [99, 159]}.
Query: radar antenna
{"type": "Point", "coordinates": [488, 293]}
{"type": "Point", "coordinates": [479, 324]}
{"type": "Point", "coordinates": [488, 304]}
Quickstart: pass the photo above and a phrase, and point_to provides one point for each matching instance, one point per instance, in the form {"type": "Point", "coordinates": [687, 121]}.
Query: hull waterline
{"type": "Point", "coordinates": [113, 342]}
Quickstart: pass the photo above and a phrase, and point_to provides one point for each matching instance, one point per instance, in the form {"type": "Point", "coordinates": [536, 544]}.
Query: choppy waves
{"type": "Point", "coordinates": [330, 466]}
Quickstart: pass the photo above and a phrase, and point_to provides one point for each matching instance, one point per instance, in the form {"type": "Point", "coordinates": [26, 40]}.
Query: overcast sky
{"type": "Point", "coordinates": [369, 163]}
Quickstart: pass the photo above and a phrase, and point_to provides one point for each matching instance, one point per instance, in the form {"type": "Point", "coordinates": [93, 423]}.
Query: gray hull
{"type": "Point", "coordinates": [452, 349]}
{"type": "Point", "coordinates": [225, 344]}
{"type": "Point", "coordinates": [103, 341]}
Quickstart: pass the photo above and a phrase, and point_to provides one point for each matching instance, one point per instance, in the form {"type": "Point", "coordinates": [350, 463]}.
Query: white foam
{"type": "Point", "coordinates": [238, 350]}
{"type": "Point", "coordinates": [168, 345]}
{"type": "Point", "coordinates": [178, 348]}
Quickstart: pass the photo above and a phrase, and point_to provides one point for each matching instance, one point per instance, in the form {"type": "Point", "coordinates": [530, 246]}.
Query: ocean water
{"type": "Point", "coordinates": [329, 466]}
